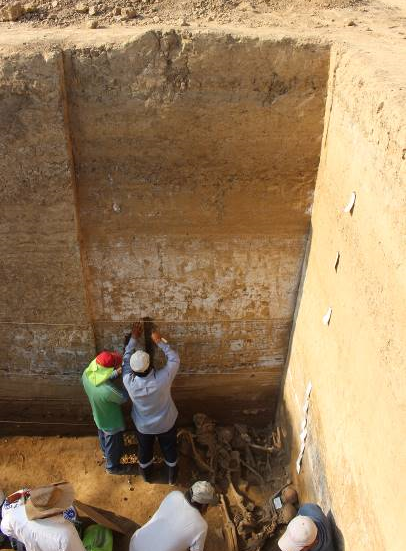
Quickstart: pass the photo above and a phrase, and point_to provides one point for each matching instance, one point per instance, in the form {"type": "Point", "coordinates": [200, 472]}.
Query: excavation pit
{"type": "Point", "coordinates": [170, 175]}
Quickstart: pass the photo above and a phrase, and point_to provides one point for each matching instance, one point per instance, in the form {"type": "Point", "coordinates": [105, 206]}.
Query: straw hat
{"type": "Point", "coordinates": [47, 501]}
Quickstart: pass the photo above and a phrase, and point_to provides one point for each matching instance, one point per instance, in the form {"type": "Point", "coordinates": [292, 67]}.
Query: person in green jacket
{"type": "Point", "coordinates": [106, 399]}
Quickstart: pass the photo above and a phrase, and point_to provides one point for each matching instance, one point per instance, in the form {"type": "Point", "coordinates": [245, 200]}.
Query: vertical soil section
{"type": "Point", "coordinates": [355, 447]}
{"type": "Point", "coordinates": [195, 159]}
{"type": "Point", "coordinates": [44, 329]}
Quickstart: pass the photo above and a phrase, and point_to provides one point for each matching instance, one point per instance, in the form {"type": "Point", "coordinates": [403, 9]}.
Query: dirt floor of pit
{"type": "Point", "coordinates": [32, 461]}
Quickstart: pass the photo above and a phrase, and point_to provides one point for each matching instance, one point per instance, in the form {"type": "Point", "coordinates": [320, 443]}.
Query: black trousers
{"type": "Point", "coordinates": [167, 443]}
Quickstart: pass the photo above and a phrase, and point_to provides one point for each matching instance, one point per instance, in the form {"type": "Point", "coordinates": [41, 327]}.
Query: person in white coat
{"type": "Point", "coordinates": [178, 524]}
{"type": "Point", "coordinates": [35, 518]}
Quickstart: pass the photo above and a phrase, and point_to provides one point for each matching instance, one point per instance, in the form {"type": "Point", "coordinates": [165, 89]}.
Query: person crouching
{"type": "Point", "coordinates": [178, 524]}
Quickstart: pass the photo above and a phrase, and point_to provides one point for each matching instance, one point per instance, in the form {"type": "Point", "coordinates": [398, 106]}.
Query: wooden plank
{"type": "Point", "coordinates": [107, 518]}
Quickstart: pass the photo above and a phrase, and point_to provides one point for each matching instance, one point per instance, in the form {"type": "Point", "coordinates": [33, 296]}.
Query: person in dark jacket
{"type": "Point", "coordinates": [310, 530]}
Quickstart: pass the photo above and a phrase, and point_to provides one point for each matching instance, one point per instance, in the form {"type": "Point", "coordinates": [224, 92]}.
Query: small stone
{"type": "Point", "coordinates": [11, 12]}
{"type": "Point", "coordinates": [55, 3]}
{"type": "Point", "coordinates": [210, 18]}
{"type": "Point", "coordinates": [183, 22]}
{"type": "Point", "coordinates": [155, 19]}
{"type": "Point", "coordinates": [30, 8]}
{"type": "Point", "coordinates": [128, 13]}
{"type": "Point", "coordinates": [351, 23]}
{"type": "Point", "coordinates": [117, 11]}
{"type": "Point", "coordinates": [92, 10]}
{"type": "Point", "coordinates": [93, 24]}
{"type": "Point", "coordinates": [81, 7]}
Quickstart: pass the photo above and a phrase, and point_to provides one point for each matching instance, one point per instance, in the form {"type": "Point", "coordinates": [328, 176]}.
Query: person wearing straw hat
{"type": "Point", "coordinates": [153, 411]}
{"type": "Point", "coordinates": [105, 400]}
{"type": "Point", "coordinates": [310, 530]}
{"type": "Point", "coordinates": [178, 524]}
{"type": "Point", "coordinates": [36, 519]}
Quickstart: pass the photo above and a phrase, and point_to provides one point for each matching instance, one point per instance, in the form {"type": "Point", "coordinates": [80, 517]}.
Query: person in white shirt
{"type": "Point", "coordinates": [36, 519]}
{"type": "Point", "coordinates": [153, 411]}
{"type": "Point", "coordinates": [178, 524]}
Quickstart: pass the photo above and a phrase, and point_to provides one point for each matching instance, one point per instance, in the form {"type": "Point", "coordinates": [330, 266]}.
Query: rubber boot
{"type": "Point", "coordinates": [172, 475]}
{"type": "Point", "coordinates": [121, 470]}
{"type": "Point", "coordinates": [147, 473]}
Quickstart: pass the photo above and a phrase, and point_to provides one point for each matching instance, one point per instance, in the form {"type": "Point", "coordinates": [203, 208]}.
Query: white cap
{"type": "Point", "coordinates": [139, 361]}
{"type": "Point", "coordinates": [203, 493]}
{"type": "Point", "coordinates": [301, 531]}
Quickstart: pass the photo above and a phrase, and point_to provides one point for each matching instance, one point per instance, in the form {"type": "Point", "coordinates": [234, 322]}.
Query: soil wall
{"type": "Point", "coordinates": [164, 175]}
{"type": "Point", "coordinates": [355, 445]}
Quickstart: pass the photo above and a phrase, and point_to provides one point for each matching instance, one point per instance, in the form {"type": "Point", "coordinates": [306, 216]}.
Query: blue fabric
{"type": "Point", "coordinates": [167, 443]}
{"type": "Point", "coordinates": [112, 446]}
{"type": "Point", "coordinates": [324, 534]}
{"type": "Point", "coordinates": [153, 410]}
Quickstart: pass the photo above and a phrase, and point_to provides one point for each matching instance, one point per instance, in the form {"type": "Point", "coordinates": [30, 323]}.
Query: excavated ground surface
{"type": "Point", "coordinates": [325, 15]}
{"type": "Point", "coordinates": [62, 13]}
{"type": "Point", "coordinates": [32, 461]}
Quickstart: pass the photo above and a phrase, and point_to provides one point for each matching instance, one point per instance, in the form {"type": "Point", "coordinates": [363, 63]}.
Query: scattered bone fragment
{"type": "Point", "coordinates": [225, 454]}
{"type": "Point", "coordinates": [200, 462]}
{"type": "Point", "coordinates": [230, 533]}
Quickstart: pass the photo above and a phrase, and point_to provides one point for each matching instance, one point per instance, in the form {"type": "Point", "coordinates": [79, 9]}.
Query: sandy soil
{"type": "Point", "coordinates": [32, 461]}
{"type": "Point", "coordinates": [345, 18]}
{"type": "Point", "coordinates": [29, 462]}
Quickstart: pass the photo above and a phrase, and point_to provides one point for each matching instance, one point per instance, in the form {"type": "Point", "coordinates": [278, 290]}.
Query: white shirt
{"type": "Point", "coordinates": [153, 411]}
{"type": "Point", "coordinates": [48, 534]}
{"type": "Point", "coordinates": [176, 526]}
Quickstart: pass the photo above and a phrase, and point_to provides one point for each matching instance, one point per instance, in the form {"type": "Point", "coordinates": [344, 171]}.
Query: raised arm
{"type": "Point", "coordinates": [172, 357]}
{"type": "Point", "coordinates": [116, 395]}
{"type": "Point", "coordinates": [130, 348]}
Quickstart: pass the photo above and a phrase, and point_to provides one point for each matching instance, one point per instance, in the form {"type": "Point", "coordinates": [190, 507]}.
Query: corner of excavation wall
{"type": "Point", "coordinates": [354, 452]}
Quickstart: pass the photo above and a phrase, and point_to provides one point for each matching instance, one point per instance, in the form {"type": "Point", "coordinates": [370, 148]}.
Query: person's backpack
{"type": "Point", "coordinates": [98, 538]}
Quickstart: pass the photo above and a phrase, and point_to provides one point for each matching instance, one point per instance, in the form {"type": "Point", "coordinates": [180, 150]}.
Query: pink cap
{"type": "Point", "coordinates": [301, 531]}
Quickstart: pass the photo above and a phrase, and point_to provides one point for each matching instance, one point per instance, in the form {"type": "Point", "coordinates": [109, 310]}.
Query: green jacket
{"type": "Point", "coordinates": [105, 399]}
